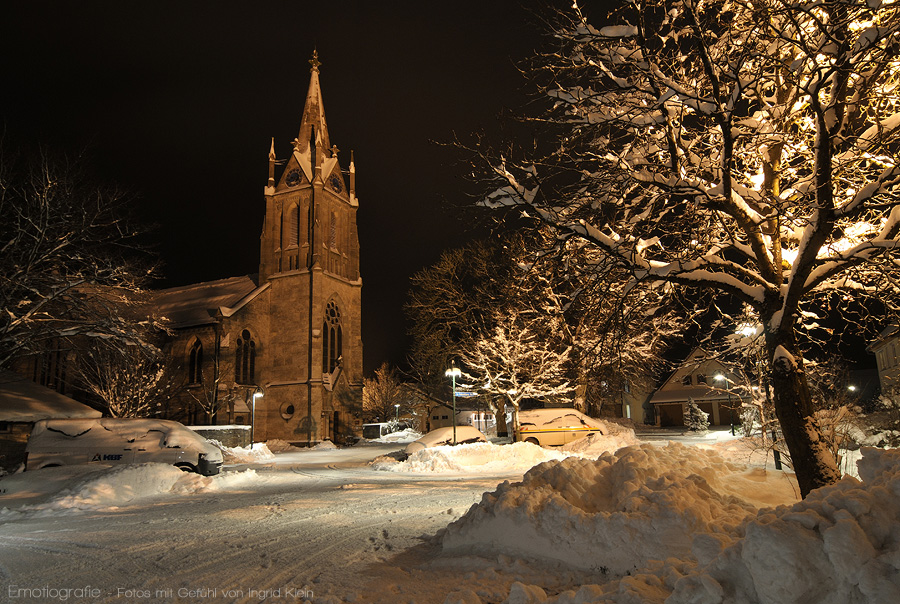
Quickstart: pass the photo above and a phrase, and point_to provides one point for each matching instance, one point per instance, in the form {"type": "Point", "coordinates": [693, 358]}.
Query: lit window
{"type": "Point", "coordinates": [244, 359]}
{"type": "Point", "coordinates": [332, 338]}
{"type": "Point", "coordinates": [195, 363]}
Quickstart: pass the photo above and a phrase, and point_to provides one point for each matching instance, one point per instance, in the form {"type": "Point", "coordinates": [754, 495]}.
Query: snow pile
{"type": "Point", "coordinates": [614, 513]}
{"type": "Point", "coordinates": [614, 437]}
{"type": "Point", "coordinates": [841, 544]}
{"type": "Point", "coordinates": [474, 458]}
{"type": "Point", "coordinates": [111, 488]}
{"type": "Point", "coordinates": [254, 453]}
{"type": "Point", "coordinates": [277, 445]}
{"type": "Point", "coordinates": [403, 436]}
{"type": "Point", "coordinates": [323, 446]}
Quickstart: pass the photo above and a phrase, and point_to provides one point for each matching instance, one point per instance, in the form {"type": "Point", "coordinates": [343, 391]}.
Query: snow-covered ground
{"type": "Point", "coordinates": [710, 521]}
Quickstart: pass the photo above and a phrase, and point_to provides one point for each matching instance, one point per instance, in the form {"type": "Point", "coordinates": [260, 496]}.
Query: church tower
{"type": "Point", "coordinates": [309, 258]}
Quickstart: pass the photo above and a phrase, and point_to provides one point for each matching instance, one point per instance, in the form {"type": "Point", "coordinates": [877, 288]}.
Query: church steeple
{"type": "Point", "coordinates": [313, 121]}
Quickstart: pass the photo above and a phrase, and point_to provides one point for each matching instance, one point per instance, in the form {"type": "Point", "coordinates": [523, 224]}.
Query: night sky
{"type": "Point", "coordinates": [178, 102]}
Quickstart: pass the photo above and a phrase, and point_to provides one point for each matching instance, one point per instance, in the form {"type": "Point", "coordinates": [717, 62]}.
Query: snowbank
{"type": "Point", "coordinates": [614, 513]}
{"type": "Point", "coordinates": [675, 520]}
{"type": "Point", "coordinates": [488, 458]}
{"type": "Point", "coordinates": [255, 453]}
{"type": "Point", "coordinates": [73, 489]}
{"type": "Point", "coordinates": [475, 458]}
{"type": "Point", "coordinates": [403, 436]}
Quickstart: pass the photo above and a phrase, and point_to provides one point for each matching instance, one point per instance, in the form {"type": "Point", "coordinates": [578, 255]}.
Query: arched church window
{"type": "Point", "coordinates": [332, 338]}
{"type": "Point", "coordinates": [293, 226]}
{"type": "Point", "coordinates": [245, 359]}
{"type": "Point", "coordinates": [195, 363]}
{"type": "Point", "coordinates": [332, 239]}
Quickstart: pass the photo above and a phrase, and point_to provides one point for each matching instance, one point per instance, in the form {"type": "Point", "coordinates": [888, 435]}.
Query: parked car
{"type": "Point", "coordinates": [555, 427]}
{"type": "Point", "coordinates": [62, 442]}
{"type": "Point", "coordinates": [444, 436]}
{"type": "Point", "coordinates": [377, 430]}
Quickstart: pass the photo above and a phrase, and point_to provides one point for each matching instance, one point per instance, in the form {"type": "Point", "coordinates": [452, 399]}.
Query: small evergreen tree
{"type": "Point", "coordinates": [695, 418]}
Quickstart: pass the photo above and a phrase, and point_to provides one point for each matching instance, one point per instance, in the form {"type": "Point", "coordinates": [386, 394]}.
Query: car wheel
{"type": "Point", "coordinates": [185, 467]}
{"type": "Point", "coordinates": [533, 441]}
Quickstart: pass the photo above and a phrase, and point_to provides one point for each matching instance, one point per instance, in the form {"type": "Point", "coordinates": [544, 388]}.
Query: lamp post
{"type": "Point", "coordinates": [397, 407]}
{"type": "Point", "coordinates": [257, 394]}
{"type": "Point", "coordinates": [721, 377]}
{"type": "Point", "coordinates": [453, 373]}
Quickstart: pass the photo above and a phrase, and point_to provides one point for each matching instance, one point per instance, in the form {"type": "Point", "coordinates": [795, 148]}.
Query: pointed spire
{"type": "Point", "coordinates": [352, 176]}
{"type": "Point", "coordinates": [313, 111]}
{"type": "Point", "coordinates": [272, 163]}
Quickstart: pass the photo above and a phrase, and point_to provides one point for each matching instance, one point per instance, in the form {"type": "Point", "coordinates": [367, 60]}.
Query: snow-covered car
{"type": "Point", "coordinates": [63, 442]}
{"type": "Point", "coordinates": [444, 436]}
{"type": "Point", "coordinates": [555, 427]}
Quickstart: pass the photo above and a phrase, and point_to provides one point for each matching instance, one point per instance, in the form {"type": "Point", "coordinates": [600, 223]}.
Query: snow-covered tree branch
{"type": "Point", "coordinates": [69, 268]}
{"type": "Point", "coordinates": [744, 148]}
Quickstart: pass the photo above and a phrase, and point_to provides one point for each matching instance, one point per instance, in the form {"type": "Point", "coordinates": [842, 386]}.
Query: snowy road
{"type": "Point", "coordinates": [312, 525]}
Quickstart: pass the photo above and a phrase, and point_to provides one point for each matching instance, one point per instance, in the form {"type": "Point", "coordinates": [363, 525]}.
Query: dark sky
{"type": "Point", "coordinates": [178, 101]}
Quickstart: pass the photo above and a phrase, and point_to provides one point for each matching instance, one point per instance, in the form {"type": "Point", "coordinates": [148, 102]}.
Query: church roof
{"type": "Point", "coordinates": [197, 304]}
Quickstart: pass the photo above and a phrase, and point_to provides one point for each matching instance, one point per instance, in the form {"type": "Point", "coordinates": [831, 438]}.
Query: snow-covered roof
{"type": "Point", "coordinates": [887, 334]}
{"type": "Point", "coordinates": [698, 393]}
{"type": "Point", "coordinates": [197, 304]}
{"type": "Point", "coordinates": [21, 400]}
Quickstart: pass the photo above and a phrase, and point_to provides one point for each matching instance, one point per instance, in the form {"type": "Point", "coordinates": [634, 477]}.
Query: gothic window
{"type": "Point", "coordinates": [195, 363]}
{"type": "Point", "coordinates": [332, 336]}
{"type": "Point", "coordinates": [332, 242]}
{"type": "Point", "coordinates": [244, 359]}
{"type": "Point", "coordinates": [293, 226]}
{"type": "Point", "coordinates": [701, 378]}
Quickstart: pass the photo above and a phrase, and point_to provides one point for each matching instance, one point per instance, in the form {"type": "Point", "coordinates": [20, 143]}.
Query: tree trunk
{"type": "Point", "coordinates": [811, 456]}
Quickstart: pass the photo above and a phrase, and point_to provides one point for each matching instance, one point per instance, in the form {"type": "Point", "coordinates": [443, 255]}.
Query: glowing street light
{"type": "Point", "coordinates": [453, 373]}
{"type": "Point", "coordinates": [397, 407]}
{"type": "Point", "coordinates": [256, 395]}
{"type": "Point", "coordinates": [721, 378]}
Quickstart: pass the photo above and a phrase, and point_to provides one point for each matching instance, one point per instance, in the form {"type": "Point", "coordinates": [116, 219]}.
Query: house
{"type": "Point", "coordinates": [22, 403]}
{"type": "Point", "coordinates": [712, 385]}
{"type": "Point", "coordinates": [484, 420]}
{"type": "Point", "coordinates": [886, 349]}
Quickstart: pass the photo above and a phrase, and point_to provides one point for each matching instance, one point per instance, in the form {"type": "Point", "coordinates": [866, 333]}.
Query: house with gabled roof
{"type": "Point", "coordinates": [709, 382]}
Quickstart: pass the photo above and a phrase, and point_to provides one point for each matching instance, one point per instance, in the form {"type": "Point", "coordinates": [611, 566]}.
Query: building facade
{"type": "Point", "coordinates": [282, 350]}
{"type": "Point", "coordinates": [886, 349]}
{"type": "Point", "coordinates": [711, 384]}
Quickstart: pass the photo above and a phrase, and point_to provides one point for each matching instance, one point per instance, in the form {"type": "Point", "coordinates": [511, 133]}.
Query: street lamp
{"type": "Point", "coordinates": [397, 407]}
{"type": "Point", "coordinates": [720, 377]}
{"type": "Point", "coordinates": [256, 395]}
{"type": "Point", "coordinates": [453, 373]}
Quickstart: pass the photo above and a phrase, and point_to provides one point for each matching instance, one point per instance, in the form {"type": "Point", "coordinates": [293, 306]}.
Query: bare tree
{"type": "Point", "coordinates": [744, 149]}
{"type": "Point", "coordinates": [381, 393]}
{"type": "Point", "coordinates": [69, 268]}
{"type": "Point", "coordinates": [132, 381]}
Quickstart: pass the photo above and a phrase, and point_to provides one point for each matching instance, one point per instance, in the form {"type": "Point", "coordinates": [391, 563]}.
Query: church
{"type": "Point", "coordinates": [281, 351]}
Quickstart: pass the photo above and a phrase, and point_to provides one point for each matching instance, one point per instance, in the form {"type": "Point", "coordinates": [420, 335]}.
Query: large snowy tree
{"type": "Point", "coordinates": [69, 271]}
{"type": "Point", "coordinates": [744, 148]}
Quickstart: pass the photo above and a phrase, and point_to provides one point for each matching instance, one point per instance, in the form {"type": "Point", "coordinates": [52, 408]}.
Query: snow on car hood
{"type": "Point", "coordinates": [117, 432]}
{"type": "Point", "coordinates": [557, 418]}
